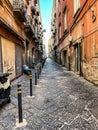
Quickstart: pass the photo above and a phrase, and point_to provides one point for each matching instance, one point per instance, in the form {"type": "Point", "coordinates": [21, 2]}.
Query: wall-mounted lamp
{"type": "Point", "coordinates": [93, 15]}
{"type": "Point", "coordinates": [70, 38]}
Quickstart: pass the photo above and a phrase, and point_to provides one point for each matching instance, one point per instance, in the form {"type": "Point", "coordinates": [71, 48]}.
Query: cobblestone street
{"type": "Point", "coordinates": [63, 101]}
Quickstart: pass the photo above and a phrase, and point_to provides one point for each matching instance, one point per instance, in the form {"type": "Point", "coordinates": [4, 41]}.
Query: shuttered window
{"type": "Point", "coordinates": [65, 20]}
{"type": "Point", "coordinates": [8, 56]}
{"type": "Point", "coordinates": [76, 5]}
{"type": "Point", "coordinates": [11, 1]}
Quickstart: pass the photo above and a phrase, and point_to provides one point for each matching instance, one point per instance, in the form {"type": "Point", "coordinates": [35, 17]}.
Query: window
{"type": "Point", "coordinates": [60, 31]}
{"type": "Point", "coordinates": [76, 5]}
{"type": "Point", "coordinates": [65, 20]}
{"type": "Point", "coordinates": [11, 1]}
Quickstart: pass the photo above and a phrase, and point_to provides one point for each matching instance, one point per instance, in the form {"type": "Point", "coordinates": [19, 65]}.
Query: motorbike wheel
{"type": "Point", "coordinates": [9, 100]}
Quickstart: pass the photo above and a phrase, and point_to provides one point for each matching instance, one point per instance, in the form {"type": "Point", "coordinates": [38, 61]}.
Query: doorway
{"type": "Point", "coordinates": [77, 48]}
{"type": "Point", "coordinates": [65, 58]}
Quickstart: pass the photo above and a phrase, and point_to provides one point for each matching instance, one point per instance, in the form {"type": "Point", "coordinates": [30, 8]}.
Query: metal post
{"type": "Point", "coordinates": [42, 64]}
{"type": "Point", "coordinates": [19, 92]}
{"type": "Point", "coordinates": [30, 85]}
{"type": "Point", "coordinates": [40, 69]}
{"type": "Point", "coordinates": [69, 62]}
{"type": "Point", "coordinates": [38, 72]}
{"type": "Point", "coordinates": [35, 77]}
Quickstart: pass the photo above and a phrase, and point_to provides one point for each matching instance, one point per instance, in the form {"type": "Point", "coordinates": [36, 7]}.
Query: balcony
{"type": "Point", "coordinates": [37, 41]}
{"type": "Point", "coordinates": [54, 15]}
{"type": "Point", "coordinates": [36, 20]}
{"type": "Point", "coordinates": [37, 10]}
{"type": "Point", "coordinates": [35, 37]}
{"type": "Point", "coordinates": [39, 36]}
{"type": "Point", "coordinates": [55, 47]}
{"type": "Point", "coordinates": [37, 13]}
{"type": "Point", "coordinates": [53, 35]}
{"type": "Point", "coordinates": [40, 42]}
{"type": "Point", "coordinates": [19, 9]}
{"type": "Point", "coordinates": [54, 32]}
{"type": "Point", "coordinates": [33, 10]}
{"type": "Point", "coordinates": [29, 28]}
{"type": "Point", "coordinates": [40, 48]}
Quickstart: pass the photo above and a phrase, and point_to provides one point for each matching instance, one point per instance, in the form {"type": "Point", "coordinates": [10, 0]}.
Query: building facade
{"type": "Point", "coordinates": [20, 34]}
{"type": "Point", "coordinates": [54, 31]}
{"type": "Point", "coordinates": [50, 47]}
{"type": "Point", "coordinates": [78, 34]}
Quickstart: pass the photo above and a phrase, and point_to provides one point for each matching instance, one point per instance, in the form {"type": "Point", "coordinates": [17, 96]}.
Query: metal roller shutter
{"type": "Point", "coordinates": [8, 56]}
{"type": "Point", "coordinates": [18, 61]}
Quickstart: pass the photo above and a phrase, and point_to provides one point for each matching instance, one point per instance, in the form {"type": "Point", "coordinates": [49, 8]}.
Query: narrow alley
{"type": "Point", "coordinates": [48, 64]}
{"type": "Point", "coordinates": [62, 101]}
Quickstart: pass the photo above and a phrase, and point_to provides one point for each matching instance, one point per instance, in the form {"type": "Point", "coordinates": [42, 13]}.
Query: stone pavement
{"type": "Point", "coordinates": [63, 101]}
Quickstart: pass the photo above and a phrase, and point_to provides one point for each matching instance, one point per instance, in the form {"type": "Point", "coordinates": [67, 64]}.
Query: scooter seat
{"type": "Point", "coordinates": [4, 75]}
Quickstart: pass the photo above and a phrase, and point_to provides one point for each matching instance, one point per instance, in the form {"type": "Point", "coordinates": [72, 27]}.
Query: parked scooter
{"type": "Point", "coordinates": [5, 88]}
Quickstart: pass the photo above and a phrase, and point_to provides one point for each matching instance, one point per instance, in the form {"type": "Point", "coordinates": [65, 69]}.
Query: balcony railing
{"type": "Point", "coordinates": [39, 36]}
{"type": "Point", "coordinates": [35, 36]}
{"type": "Point", "coordinates": [37, 41]}
{"type": "Point", "coordinates": [33, 10]}
{"type": "Point", "coordinates": [37, 10]}
{"type": "Point", "coordinates": [29, 26]}
{"type": "Point", "coordinates": [54, 15]}
{"type": "Point", "coordinates": [54, 32]}
{"type": "Point", "coordinates": [19, 8]}
{"type": "Point", "coordinates": [40, 42]}
{"type": "Point", "coordinates": [36, 20]}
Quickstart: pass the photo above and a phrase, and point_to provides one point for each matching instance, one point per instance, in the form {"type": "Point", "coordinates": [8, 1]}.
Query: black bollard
{"type": "Point", "coordinates": [35, 77]}
{"type": "Point", "coordinates": [42, 65]}
{"type": "Point", "coordinates": [38, 72]}
{"type": "Point", "coordinates": [40, 69]}
{"type": "Point", "coordinates": [30, 76]}
{"type": "Point", "coordinates": [19, 92]}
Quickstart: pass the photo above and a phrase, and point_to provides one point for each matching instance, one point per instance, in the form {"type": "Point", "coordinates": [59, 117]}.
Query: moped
{"type": "Point", "coordinates": [5, 88]}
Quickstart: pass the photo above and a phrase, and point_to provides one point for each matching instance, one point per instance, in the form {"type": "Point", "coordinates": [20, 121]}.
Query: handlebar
{"type": "Point", "coordinates": [4, 75]}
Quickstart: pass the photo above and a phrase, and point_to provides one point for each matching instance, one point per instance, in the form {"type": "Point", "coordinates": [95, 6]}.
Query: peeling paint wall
{"type": "Point", "coordinates": [8, 56]}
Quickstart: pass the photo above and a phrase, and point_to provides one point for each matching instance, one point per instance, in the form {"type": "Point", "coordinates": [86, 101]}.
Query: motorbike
{"type": "Point", "coordinates": [27, 70]}
{"type": "Point", "coordinates": [5, 88]}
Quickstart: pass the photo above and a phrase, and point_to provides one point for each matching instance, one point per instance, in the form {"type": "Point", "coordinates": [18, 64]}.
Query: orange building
{"type": "Point", "coordinates": [20, 34]}
{"type": "Point", "coordinates": [78, 34]}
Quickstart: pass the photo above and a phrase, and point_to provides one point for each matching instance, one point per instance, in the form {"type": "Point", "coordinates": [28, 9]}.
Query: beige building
{"type": "Point", "coordinates": [50, 47]}
{"type": "Point", "coordinates": [20, 34]}
{"type": "Point", "coordinates": [54, 30]}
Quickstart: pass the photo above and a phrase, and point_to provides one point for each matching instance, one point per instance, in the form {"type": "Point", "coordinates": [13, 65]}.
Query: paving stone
{"type": "Point", "coordinates": [93, 122]}
{"type": "Point", "coordinates": [8, 122]}
{"type": "Point", "coordinates": [1, 127]}
{"type": "Point", "coordinates": [81, 124]}
{"type": "Point", "coordinates": [65, 127]}
{"type": "Point", "coordinates": [86, 114]}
